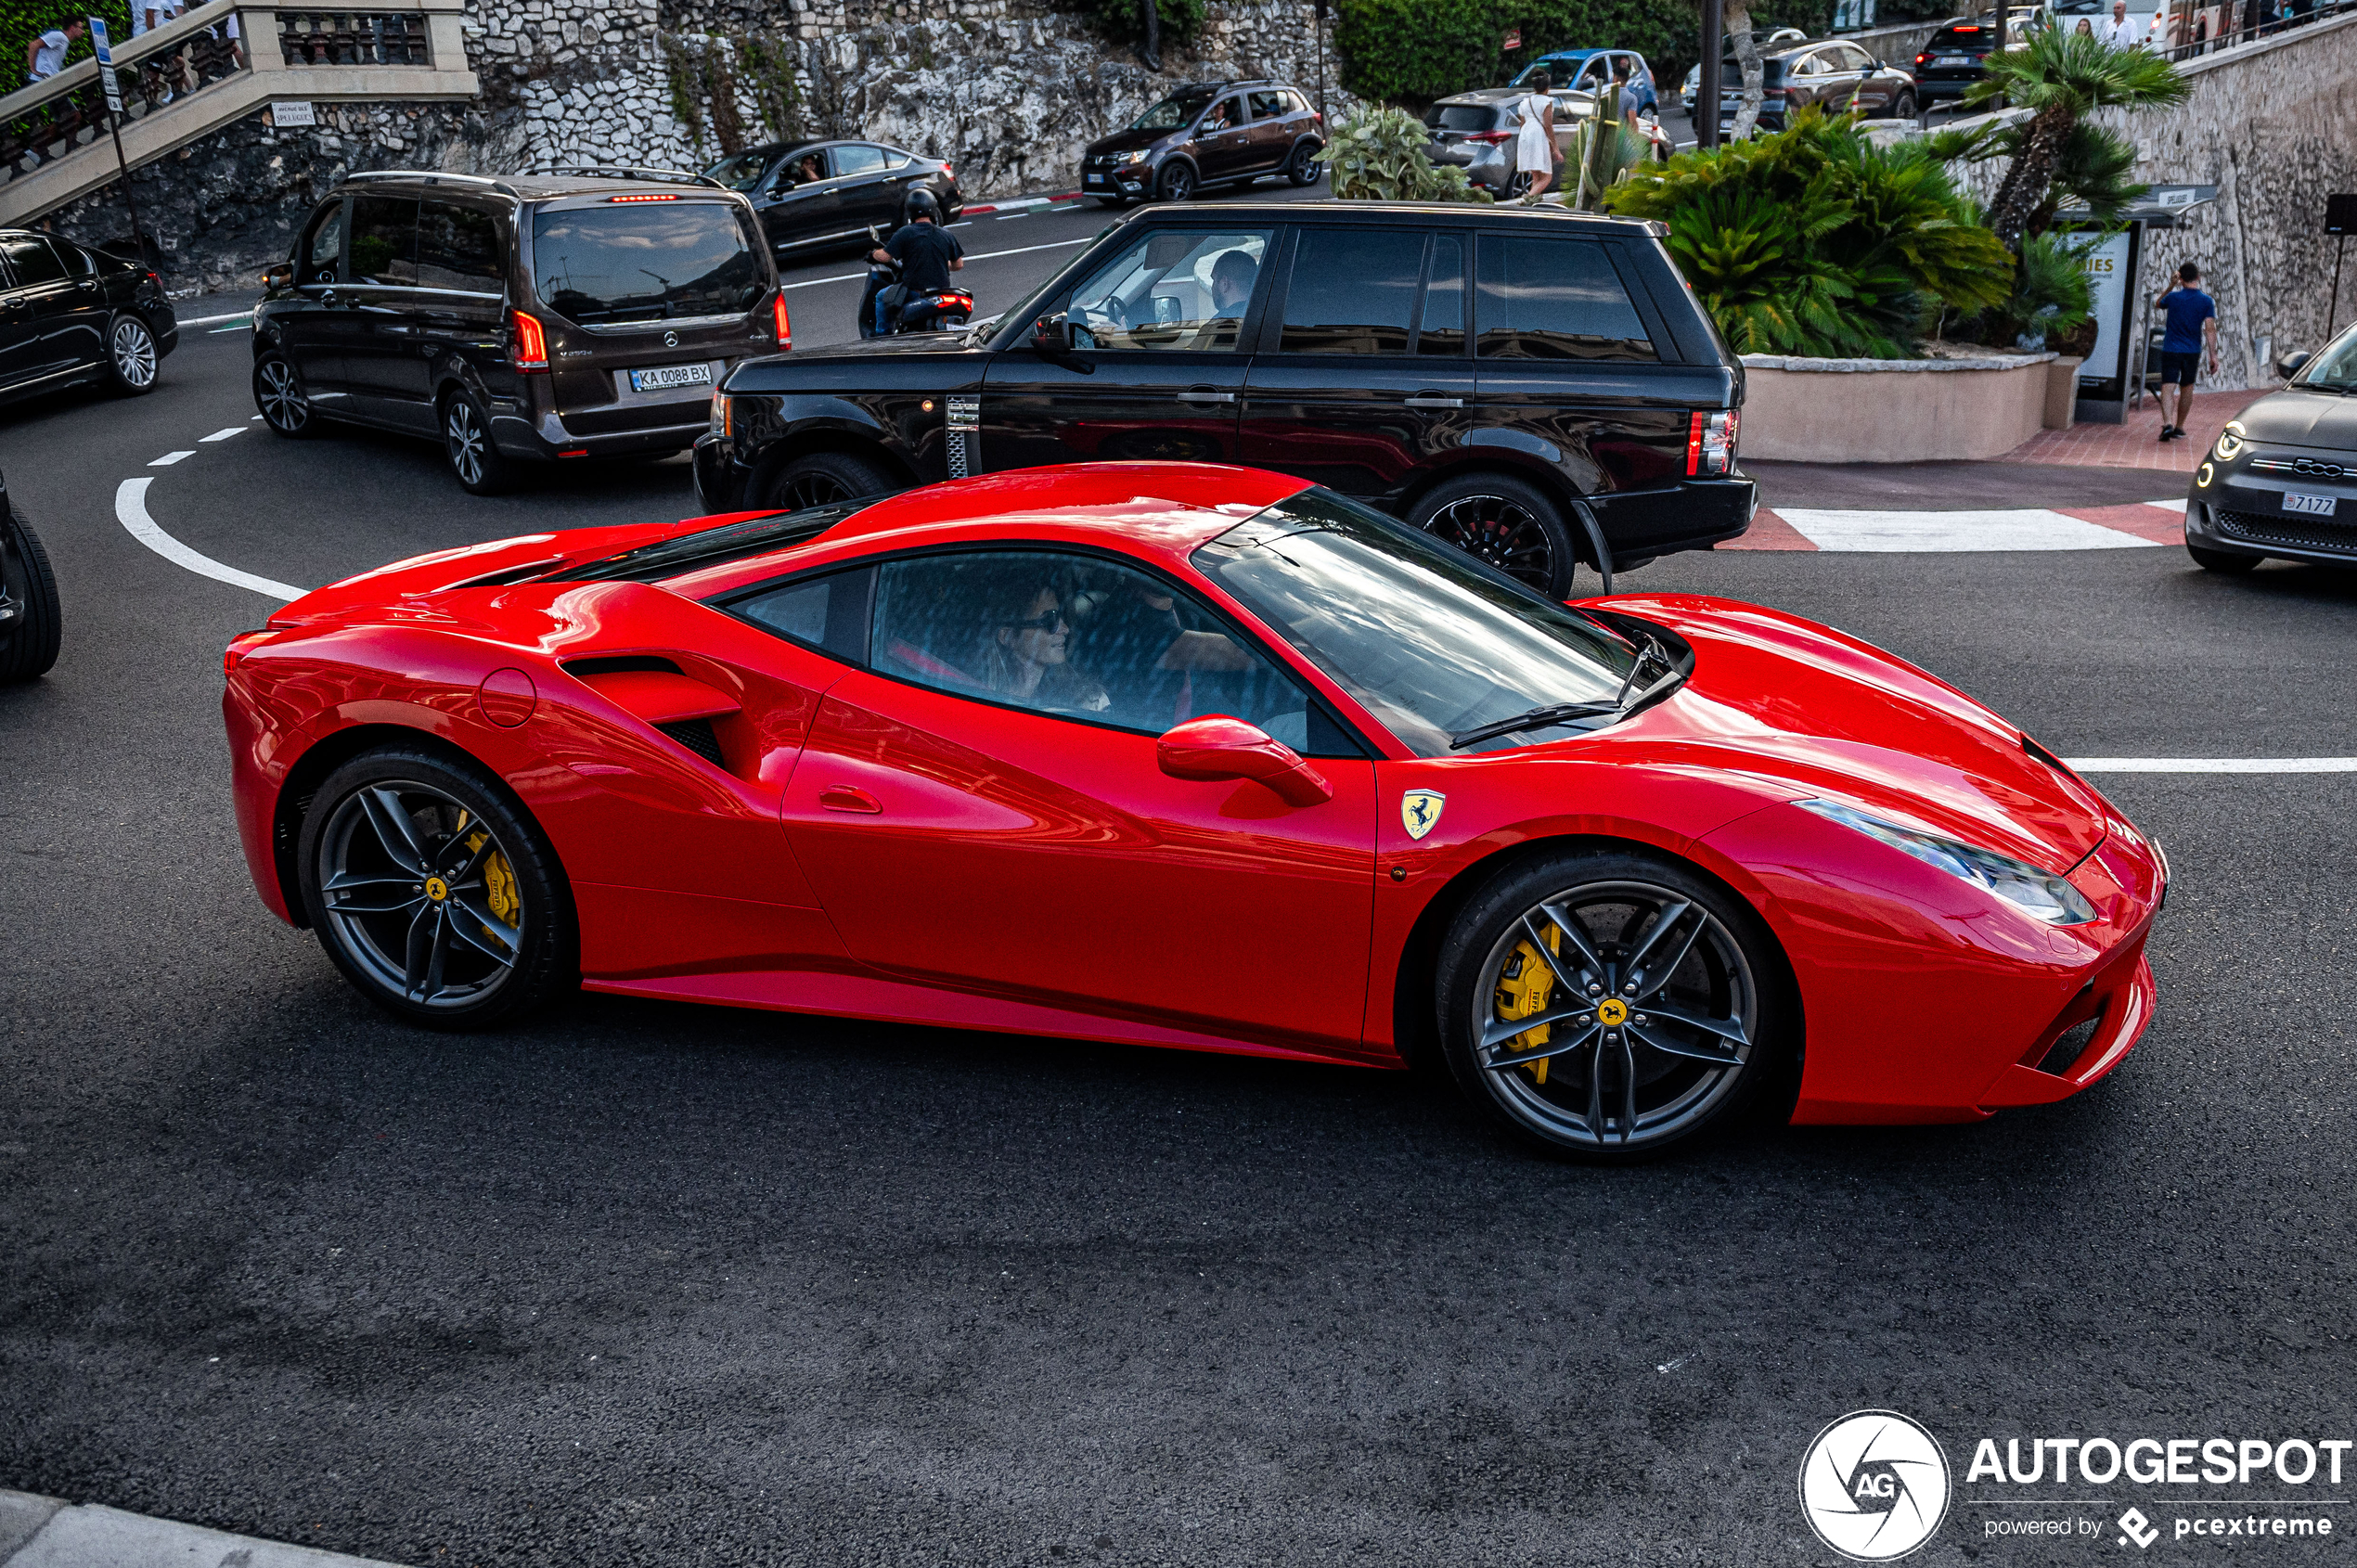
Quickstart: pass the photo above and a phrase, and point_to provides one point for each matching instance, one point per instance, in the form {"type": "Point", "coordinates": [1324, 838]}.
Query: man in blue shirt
{"type": "Point", "coordinates": [2192, 330]}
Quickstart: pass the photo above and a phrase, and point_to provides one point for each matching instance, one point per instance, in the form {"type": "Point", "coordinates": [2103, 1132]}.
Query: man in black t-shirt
{"type": "Point", "coordinates": [927, 253]}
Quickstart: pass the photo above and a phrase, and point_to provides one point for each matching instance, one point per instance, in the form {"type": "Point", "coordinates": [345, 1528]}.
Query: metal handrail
{"type": "Point", "coordinates": [169, 38]}
{"type": "Point", "coordinates": [2249, 30]}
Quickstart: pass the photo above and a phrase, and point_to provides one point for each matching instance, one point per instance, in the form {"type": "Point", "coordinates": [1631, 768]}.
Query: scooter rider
{"type": "Point", "coordinates": [926, 254]}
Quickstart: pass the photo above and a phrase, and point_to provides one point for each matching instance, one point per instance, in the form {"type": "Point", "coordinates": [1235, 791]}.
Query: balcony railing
{"type": "Point", "coordinates": [353, 38]}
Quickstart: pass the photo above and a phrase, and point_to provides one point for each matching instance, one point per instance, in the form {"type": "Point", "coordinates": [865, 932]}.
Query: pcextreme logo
{"type": "Point", "coordinates": [1875, 1485]}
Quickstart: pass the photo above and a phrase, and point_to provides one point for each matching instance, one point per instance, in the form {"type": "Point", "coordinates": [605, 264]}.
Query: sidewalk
{"type": "Point", "coordinates": [2136, 444]}
{"type": "Point", "coordinates": [43, 1532]}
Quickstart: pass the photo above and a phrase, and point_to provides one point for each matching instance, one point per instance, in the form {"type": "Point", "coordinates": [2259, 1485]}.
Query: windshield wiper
{"type": "Point", "coordinates": [1563, 713]}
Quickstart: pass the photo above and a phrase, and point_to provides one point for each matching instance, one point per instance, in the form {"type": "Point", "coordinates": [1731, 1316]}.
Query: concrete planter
{"type": "Point", "coordinates": [1891, 410]}
{"type": "Point", "coordinates": [2062, 390]}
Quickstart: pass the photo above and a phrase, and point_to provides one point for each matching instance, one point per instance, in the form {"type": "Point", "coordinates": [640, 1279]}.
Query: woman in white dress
{"type": "Point", "coordinates": [1535, 146]}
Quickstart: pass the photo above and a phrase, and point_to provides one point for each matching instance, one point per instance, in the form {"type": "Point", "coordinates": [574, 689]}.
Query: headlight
{"type": "Point", "coordinates": [2206, 474]}
{"type": "Point", "coordinates": [1138, 156]}
{"type": "Point", "coordinates": [2230, 441]}
{"type": "Point", "coordinates": [2037, 894]}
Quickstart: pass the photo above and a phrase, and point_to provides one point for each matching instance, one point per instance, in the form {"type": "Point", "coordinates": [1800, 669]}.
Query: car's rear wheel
{"type": "Point", "coordinates": [1609, 1005]}
{"type": "Point", "coordinates": [277, 392]}
{"type": "Point", "coordinates": [433, 892]}
{"type": "Point", "coordinates": [1303, 168]}
{"type": "Point", "coordinates": [1505, 522]}
{"type": "Point", "coordinates": [28, 638]}
{"type": "Point", "coordinates": [466, 441]}
{"type": "Point", "coordinates": [132, 357]}
{"type": "Point", "coordinates": [1176, 182]}
{"type": "Point", "coordinates": [2233, 563]}
{"type": "Point", "coordinates": [821, 479]}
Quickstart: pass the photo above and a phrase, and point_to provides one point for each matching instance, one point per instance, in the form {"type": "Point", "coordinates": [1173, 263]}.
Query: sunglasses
{"type": "Point", "coordinates": [1046, 623]}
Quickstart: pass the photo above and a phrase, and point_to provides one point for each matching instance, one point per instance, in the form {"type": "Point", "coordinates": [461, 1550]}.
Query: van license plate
{"type": "Point", "coordinates": [665, 377]}
{"type": "Point", "coordinates": [2321, 506]}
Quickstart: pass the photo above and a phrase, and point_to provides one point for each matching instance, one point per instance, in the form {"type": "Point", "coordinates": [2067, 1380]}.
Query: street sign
{"type": "Point", "coordinates": [1513, 38]}
{"type": "Point", "coordinates": [107, 82]}
{"type": "Point", "coordinates": [297, 113]}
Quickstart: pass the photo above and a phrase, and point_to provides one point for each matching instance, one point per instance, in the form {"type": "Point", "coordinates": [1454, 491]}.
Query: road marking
{"type": "Point", "coordinates": [2030, 528]}
{"type": "Point", "coordinates": [982, 256]}
{"type": "Point", "coordinates": [1009, 217]}
{"type": "Point", "coordinates": [169, 458]}
{"type": "Point", "coordinates": [2212, 765]}
{"type": "Point", "coordinates": [2177, 507]}
{"type": "Point", "coordinates": [131, 511]}
{"type": "Point", "coordinates": [217, 320]}
{"type": "Point", "coordinates": [222, 435]}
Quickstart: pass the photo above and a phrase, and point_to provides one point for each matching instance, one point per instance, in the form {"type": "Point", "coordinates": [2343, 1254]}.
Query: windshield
{"type": "Point", "coordinates": [1460, 116]}
{"type": "Point", "coordinates": [1173, 113]}
{"type": "Point", "coordinates": [2335, 368]}
{"type": "Point", "coordinates": [740, 173]}
{"type": "Point", "coordinates": [658, 261]}
{"type": "Point", "coordinates": [1430, 642]}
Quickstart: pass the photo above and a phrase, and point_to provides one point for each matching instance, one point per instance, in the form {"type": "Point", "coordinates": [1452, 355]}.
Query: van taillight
{"type": "Point", "coordinates": [783, 321]}
{"type": "Point", "coordinates": [528, 342]}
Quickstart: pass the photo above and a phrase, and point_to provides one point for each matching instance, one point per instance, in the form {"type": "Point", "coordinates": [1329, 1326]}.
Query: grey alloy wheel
{"type": "Point", "coordinates": [130, 355]}
{"type": "Point", "coordinates": [420, 897]}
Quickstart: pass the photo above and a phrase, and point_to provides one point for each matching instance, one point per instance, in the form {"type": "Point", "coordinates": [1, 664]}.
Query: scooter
{"type": "Point", "coordinates": [945, 311]}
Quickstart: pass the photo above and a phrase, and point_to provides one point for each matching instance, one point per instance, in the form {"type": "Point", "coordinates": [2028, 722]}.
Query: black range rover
{"type": "Point", "coordinates": [535, 318]}
{"type": "Point", "coordinates": [1499, 377]}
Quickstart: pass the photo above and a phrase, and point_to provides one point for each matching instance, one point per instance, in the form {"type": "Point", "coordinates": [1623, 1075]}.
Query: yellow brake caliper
{"type": "Point", "coordinates": [1523, 986]}
{"type": "Point", "coordinates": [498, 882]}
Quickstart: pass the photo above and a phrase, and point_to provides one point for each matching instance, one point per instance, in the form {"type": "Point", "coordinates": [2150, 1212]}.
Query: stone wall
{"type": "Point", "coordinates": [1009, 91]}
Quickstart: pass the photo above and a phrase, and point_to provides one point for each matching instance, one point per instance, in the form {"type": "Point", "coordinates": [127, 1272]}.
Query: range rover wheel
{"type": "Point", "coordinates": [2232, 563]}
{"type": "Point", "coordinates": [1505, 522]}
{"type": "Point", "coordinates": [29, 637]}
{"type": "Point", "coordinates": [131, 357]}
{"type": "Point", "coordinates": [820, 479]}
{"type": "Point", "coordinates": [466, 440]}
{"type": "Point", "coordinates": [1176, 182]}
{"type": "Point", "coordinates": [1302, 168]}
{"type": "Point", "coordinates": [1608, 1006]}
{"type": "Point", "coordinates": [433, 892]}
{"type": "Point", "coordinates": [277, 392]}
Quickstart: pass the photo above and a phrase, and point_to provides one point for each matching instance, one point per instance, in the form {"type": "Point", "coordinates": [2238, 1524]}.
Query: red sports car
{"type": "Point", "coordinates": [1184, 755]}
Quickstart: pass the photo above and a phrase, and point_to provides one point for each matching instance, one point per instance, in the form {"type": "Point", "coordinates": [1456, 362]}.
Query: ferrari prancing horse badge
{"type": "Point", "coordinates": [1420, 811]}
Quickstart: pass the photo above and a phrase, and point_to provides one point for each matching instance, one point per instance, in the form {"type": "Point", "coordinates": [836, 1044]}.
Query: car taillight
{"type": "Point", "coordinates": [241, 644]}
{"type": "Point", "coordinates": [1923, 59]}
{"type": "Point", "coordinates": [527, 342]}
{"type": "Point", "coordinates": [1711, 441]}
{"type": "Point", "coordinates": [1491, 137]}
{"type": "Point", "coordinates": [645, 196]}
{"type": "Point", "coordinates": [723, 416]}
{"type": "Point", "coordinates": [947, 172]}
{"type": "Point", "coordinates": [781, 321]}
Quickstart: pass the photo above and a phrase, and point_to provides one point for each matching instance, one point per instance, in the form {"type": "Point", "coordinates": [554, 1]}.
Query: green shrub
{"type": "Point", "coordinates": [1379, 155]}
{"type": "Point", "coordinates": [2051, 297]}
{"type": "Point", "coordinates": [1815, 242]}
{"type": "Point", "coordinates": [1124, 21]}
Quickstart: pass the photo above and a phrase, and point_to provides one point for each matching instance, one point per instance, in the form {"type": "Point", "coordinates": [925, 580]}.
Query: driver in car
{"type": "Point", "coordinates": [1231, 280]}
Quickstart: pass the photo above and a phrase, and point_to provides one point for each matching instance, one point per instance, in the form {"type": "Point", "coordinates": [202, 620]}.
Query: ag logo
{"type": "Point", "coordinates": [1875, 1485]}
{"type": "Point", "coordinates": [1420, 811]}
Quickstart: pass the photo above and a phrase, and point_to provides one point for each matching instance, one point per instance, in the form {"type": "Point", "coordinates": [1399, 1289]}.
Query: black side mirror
{"type": "Point", "coordinates": [279, 276]}
{"type": "Point", "coordinates": [2291, 364]}
{"type": "Point", "coordinates": [1051, 336]}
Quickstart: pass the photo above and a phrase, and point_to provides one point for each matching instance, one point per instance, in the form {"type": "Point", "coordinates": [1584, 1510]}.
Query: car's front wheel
{"type": "Point", "coordinates": [132, 357]}
{"type": "Point", "coordinates": [466, 441]}
{"type": "Point", "coordinates": [1609, 1005]}
{"type": "Point", "coordinates": [1176, 182]}
{"type": "Point", "coordinates": [433, 892]}
{"type": "Point", "coordinates": [1506, 522]}
{"type": "Point", "coordinates": [277, 392]}
{"type": "Point", "coordinates": [2232, 563]}
{"type": "Point", "coordinates": [821, 479]}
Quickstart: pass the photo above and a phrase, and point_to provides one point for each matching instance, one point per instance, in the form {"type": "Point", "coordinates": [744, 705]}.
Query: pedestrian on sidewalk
{"type": "Point", "coordinates": [2192, 332]}
{"type": "Point", "coordinates": [1535, 144]}
{"type": "Point", "coordinates": [45, 56]}
{"type": "Point", "coordinates": [2120, 31]}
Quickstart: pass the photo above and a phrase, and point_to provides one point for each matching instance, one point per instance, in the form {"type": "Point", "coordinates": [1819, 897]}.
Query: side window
{"type": "Point", "coordinates": [1271, 104]}
{"type": "Point", "coordinates": [858, 159]}
{"type": "Point", "coordinates": [1171, 290]}
{"type": "Point", "coordinates": [1080, 636]}
{"type": "Point", "coordinates": [384, 239]}
{"type": "Point", "coordinates": [828, 613]}
{"type": "Point", "coordinates": [322, 250]}
{"type": "Point", "coordinates": [1443, 328]}
{"type": "Point", "coordinates": [30, 260]}
{"type": "Point", "coordinates": [78, 262]}
{"type": "Point", "coordinates": [1353, 291]}
{"type": "Point", "coordinates": [1810, 65]}
{"type": "Point", "coordinates": [1554, 298]}
{"type": "Point", "coordinates": [1858, 58]}
{"type": "Point", "coordinates": [1225, 115]}
{"type": "Point", "coordinates": [458, 248]}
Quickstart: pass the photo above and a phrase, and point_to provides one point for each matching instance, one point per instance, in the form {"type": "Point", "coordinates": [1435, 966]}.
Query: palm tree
{"type": "Point", "coordinates": [2062, 76]}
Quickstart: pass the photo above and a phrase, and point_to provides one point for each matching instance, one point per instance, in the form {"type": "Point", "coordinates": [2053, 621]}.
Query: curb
{"type": "Point", "coordinates": [37, 1532]}
{"type": "Point", "coordinates": [1023, 203]}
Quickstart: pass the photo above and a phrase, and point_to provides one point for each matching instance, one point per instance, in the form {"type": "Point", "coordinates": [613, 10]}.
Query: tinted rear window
{"type": "Point", "coordinates": [1460, 116]}
{"type": "Point", "coordinates": [1964, 38]}
{"type": "Point", "coordinates": [652, 262]}
{"type": "Point", "coordinates": [1554, 298]}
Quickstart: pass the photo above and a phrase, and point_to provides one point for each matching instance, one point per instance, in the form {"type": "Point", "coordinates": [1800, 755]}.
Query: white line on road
{"type": "Point", "coordinates": [131, 511]}
{"type": "Point", "coordinates": [217, 320]}
{"type": "Point", "coordinates": [222, 435]}
{"type": "Point", "coordinates": [2032, 528]}
{"type": "Point", "coordinates": [168, 459]}
{"type": "Point", "coordinates": [2213, 764]}
{"type": "Point", "coordinates": [982, 256]}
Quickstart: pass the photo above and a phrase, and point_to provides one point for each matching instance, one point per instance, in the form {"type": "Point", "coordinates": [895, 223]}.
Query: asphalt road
{"type": "Point", "coordinates": [645, 1283]}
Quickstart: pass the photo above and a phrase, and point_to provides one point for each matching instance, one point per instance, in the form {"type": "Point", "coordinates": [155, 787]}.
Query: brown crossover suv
{"type": "Point", "coordinates": [584, 313]}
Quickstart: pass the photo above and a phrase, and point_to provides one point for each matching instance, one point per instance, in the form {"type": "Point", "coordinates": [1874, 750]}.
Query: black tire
{"type": "Point", "coordinates": [1176, 182]}
{"type": "Point", "coordinates": [1692, 1048]}
{"type": "Point", "coordinates": [28, 640]}
{"type": "Point", "coordinates": [2232, 563]}
{"type": "Point", "coordinates": [133, 359]}
{"type": "Point", "coordinates": [475, 463]}
{"type": "Point", "coordinates": [1905, 108]}
{"type": "Point", "coordinates": [1508, 522]}
{"type": "Point", "coordinates": [460, 904]}
{"type": "Point", "coordinates": [821, 479]}
{"type": "Point", "coordinates": [1302, 168]}
{"type": "Point", "coordinates": [279, 396]}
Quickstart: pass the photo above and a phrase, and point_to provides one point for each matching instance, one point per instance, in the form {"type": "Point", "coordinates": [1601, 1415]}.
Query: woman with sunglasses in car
{"type": "Point", "coordinates": [1025, 651]}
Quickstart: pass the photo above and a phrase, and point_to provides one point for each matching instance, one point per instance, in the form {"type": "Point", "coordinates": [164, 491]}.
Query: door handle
{"type": "Point", "coordinates": [1434, 400]}
{"type": "Point", "coordinates": [1204, 396]}
{"type": "Point", "coordinates": [88, 283]}
{"type": "Point", "coordinates": [842, 797]}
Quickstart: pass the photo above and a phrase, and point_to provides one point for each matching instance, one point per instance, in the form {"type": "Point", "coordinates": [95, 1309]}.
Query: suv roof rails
{"type": "Point", "coordinates": [429, 175]}
{"type": "Point", "coordinates": [622, 171]}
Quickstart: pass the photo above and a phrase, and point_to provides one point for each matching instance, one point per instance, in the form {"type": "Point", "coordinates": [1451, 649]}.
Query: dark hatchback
{"type": "Point", "coordinates": [523, 319]}
{"type": "Point", "coordinates": [1835, 75]}
{"type": "Point", "coordinates": [1956, 57]}
{"type": "Point", "coordinates": [70, 314]}
{"type": "Point", "coordinates": [811, 195]}
{"type": "Point", "coordinates": [2282, 478]}
{"type": "Point", "coordinates": [1207, 134]}
{"type": "Point", "coordinates": [1500, 377]}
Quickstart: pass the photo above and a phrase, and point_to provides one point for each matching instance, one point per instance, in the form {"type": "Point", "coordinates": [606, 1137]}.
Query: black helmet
{"type": "Point", "coordinates": [923, 203]}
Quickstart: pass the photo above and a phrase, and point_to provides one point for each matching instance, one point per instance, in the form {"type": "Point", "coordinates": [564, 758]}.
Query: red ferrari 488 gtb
{"type": "Point", "coordinates": [1184, 755]}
